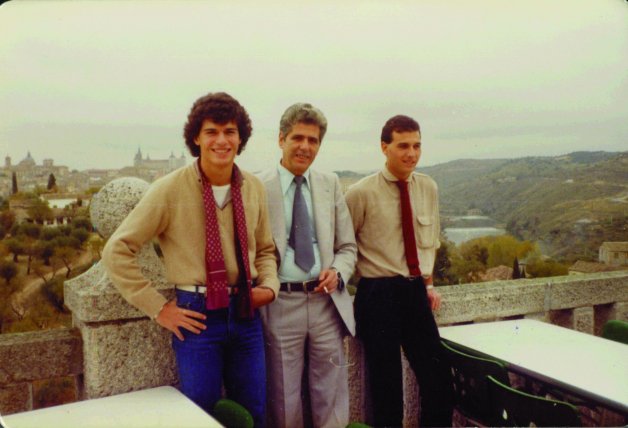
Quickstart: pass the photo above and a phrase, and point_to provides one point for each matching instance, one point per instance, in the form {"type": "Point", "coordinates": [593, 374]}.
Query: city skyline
{"type": "Point", "coordinates": [129, 163]}
{"type": "Point", "coordinates": [487, 79]}
{"type": "Point", "coordinates": [126, 163]}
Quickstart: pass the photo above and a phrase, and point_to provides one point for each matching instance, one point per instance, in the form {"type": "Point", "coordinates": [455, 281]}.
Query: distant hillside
{"type": "Point", "coordinates": [456, 173]}
{"type": "Point", "coordinates": [570, 203]}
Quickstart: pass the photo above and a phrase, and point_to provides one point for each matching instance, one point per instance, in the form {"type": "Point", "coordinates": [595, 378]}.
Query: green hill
{"type": "Point", "coordinates": [570, 203]}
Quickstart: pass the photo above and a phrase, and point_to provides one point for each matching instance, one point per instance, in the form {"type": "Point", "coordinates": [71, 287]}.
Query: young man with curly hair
{"type": "Point", "coordinates": [212, 224]}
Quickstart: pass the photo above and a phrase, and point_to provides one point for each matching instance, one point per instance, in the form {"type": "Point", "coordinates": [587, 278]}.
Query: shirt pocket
{"type": "Point", "coordinates": [424, 231]}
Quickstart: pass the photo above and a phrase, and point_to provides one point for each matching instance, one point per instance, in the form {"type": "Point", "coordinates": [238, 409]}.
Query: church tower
{"type": "Point", "coordinates": [137, 161]}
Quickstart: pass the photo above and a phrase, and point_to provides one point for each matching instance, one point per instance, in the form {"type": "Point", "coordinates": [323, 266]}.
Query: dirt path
{"type": "Point", "coordinates": [20, 299]}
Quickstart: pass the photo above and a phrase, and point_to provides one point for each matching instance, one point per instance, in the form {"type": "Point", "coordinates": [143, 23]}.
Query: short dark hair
{"type": "Point", "coordinates": [219, 107]}
{"type": "Point", "coordinates": [399, 123]}
{"type": "Point", "coordinates": [303, 113]}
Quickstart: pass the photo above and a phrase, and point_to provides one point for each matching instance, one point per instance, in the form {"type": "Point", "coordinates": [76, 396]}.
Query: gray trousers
{"type": "Point", "coordinates": [293, 324]}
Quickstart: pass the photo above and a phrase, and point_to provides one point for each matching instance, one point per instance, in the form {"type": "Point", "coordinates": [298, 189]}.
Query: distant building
{"type": "Point", "coordinates": [150, 169]}
{"type": "Point", "coordinates": [30, 175]}
{"type": "Point", "coordinates": [27, 162]}
{"type": "Point", "coordinates": [168, 165]}
{"type": "Point", "coordinates": [614, 253]}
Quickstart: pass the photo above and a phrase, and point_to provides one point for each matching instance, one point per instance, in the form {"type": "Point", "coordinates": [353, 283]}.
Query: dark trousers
{"type": "Point", "coordinates": [394, 313]}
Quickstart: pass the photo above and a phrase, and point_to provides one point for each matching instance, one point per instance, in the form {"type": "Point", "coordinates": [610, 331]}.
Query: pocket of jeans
{"type": "Point", "coordinates": [190, 300]}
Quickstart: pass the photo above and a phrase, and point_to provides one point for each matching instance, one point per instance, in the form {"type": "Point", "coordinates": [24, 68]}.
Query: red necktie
{"type": "Point", "coordinates": [407, 227]}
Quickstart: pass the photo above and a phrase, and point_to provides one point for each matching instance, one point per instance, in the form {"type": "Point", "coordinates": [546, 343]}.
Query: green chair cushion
{"type": "Point", "coordinates": [616, 330]}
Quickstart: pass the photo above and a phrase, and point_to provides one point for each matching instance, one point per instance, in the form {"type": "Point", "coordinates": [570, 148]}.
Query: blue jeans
{"type": "Point", "coordinates": [228, 351]}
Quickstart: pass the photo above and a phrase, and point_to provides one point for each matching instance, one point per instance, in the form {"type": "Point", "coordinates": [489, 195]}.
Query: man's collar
{"type": "Point", "coordinates": [390, 176]}
{"type": "Point", "coordinates": [286, 177]}
{"type": "Point", "coordinates": [199, 172]}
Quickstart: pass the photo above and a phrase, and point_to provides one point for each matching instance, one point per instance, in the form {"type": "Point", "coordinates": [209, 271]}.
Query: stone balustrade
{"type": "Point", "coordinates": [113, 348]}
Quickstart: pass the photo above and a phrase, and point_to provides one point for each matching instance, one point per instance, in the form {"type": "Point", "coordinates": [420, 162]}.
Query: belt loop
{"type": "Point", "coordinates": [304, 285]}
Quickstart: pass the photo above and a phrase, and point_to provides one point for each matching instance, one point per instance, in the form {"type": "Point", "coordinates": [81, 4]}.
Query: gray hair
{"type": "Point", "coordinates": [302, 113]}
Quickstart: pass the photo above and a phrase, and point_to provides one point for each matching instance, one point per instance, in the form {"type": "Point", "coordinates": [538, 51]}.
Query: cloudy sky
{"type": "Point", "coordinates": [88, 82]}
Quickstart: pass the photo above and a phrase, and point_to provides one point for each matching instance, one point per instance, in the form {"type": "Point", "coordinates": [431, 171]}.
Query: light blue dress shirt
{"type": "Point", "coordinates": [289, 271]}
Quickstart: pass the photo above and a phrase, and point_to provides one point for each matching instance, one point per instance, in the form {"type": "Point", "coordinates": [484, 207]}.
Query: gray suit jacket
{"type": "Point", "coordinates": [334, 230]}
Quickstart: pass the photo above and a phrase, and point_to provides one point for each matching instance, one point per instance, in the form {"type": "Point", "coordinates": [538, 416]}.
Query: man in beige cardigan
{"type": "Point", "coordinates": [212, 224]}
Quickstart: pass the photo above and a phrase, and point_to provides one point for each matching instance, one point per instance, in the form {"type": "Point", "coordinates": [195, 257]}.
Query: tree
{"type": "Point", "coordinates": [7, 219]}
{"type": "Point", "coordinates": [43, 271]}
{"type": "Point", "coordinates": [14, 189]}
{"type": "Point", "coordinates": [96, 244]}
{"type": "Point", "coordinates": [49, 233]}
{"type": "Point", "coordinates": [443, 272]}
{"type": "Point", "coordinates": [52, 182]}
{"type": "Point", "coordinates": [516, 273]}
{"type": "Point", "coordinates": [80, 222]}
{"type": "Point", "coordinates": [40, 211]}
{"type": "Point", "coordinates": [65, 254]}
{"type": "Point", "coordinates": [8, 270]}
{"type": "Point", "coordinates": [45, 250]}
{"type": "Point", "coordinates": [468, 262]}
{"type": "Point", "coordinates": [65, 229]}
{"type": "Point", "coordinates": [538, 268]}
{"type": "Point", "coordinates": [28, 234]}
{"type": "Point", "coordinates": [93, 190]}
{"type": "Point", "coordinates": [80, 235]}
{"type": "Point", "coordinates": [29, 230]}
{"type": "Point", "coordinates": [15, 247]}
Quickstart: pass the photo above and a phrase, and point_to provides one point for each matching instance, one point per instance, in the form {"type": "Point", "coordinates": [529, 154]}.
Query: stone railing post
{"type": "Point", "coordinates": [123, 350]}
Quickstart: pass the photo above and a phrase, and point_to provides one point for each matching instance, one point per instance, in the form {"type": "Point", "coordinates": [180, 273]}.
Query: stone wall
{"type": "Point", "coordinates": [26, 358]}
{"type": "Point", "coordinates": [122, 349]}
{"type": "Point", "coordinates": [115, 349]}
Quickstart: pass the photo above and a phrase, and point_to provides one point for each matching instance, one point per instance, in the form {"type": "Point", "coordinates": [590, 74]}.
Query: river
{"type": "Point", "coordinates": [458, 235]}
{"type": "Point", "coordinates": [465, 228]}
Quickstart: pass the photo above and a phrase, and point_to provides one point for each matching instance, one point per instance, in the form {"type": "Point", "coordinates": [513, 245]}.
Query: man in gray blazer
{"type": "Point", "coordinates": [316, 251]}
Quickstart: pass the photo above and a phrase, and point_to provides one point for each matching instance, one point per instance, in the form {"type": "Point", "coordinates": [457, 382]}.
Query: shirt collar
{"type": "Point", "coordinates": [239, 178]}
{"type": "Point", "coordinates": [389, 176]}
{"type": "Point", "coordinates": [286, 177]}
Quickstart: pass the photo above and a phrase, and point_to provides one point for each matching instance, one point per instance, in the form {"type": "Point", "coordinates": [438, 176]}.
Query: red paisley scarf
{"type": "Point", "coordinates": [216, 273]}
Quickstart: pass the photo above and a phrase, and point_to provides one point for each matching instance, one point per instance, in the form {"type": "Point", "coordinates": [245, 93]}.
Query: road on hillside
{"type": "Point", "coordinates": [21, 298]}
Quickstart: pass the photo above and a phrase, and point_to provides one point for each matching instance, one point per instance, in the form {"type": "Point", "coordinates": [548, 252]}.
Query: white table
{"type": "Point", "coordinates": [589, 366]}
{"type": "Point", "coordinates": [157, 407]}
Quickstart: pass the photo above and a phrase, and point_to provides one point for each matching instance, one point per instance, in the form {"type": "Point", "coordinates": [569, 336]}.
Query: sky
{"type": "Point", "coordinates": [87, 83]}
